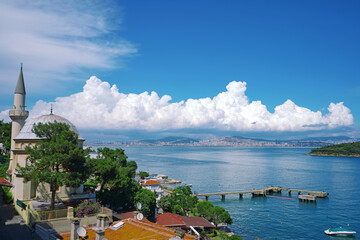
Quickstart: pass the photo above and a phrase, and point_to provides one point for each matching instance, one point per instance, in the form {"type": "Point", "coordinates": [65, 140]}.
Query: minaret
{"type": "Point", "coordinates": [18, 115]}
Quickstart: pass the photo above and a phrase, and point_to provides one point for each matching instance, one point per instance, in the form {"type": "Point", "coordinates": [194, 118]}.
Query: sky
{"type": "Point", "coordinates": [123, 70]}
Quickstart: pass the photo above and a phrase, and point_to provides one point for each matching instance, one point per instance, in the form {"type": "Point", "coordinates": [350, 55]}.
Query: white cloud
{"type": "Point", "coordinates": [55, 38]}
{"type": "Point", "coordinates": [101, 106]}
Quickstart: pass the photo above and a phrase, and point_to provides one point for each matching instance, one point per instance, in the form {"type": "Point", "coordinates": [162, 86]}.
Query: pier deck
{"type": "Point", "coordinates": [271, 189]}
{"type": "Point", "coordinates": [309, 198]}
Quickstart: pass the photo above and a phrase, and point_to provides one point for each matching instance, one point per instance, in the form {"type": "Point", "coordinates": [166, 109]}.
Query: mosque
{"type": "Point", "coordinates": [22, 136]}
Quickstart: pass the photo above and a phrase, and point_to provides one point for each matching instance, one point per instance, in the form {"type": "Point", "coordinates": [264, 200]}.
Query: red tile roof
{"type": "Point", "coordinates": [197, 222]}
{"type": "Point", "coordinates": [174, 220]}
{"type": "Point", "coordinates": [125, 215]}
{"type": "Point", "coordinates": [134, 229]}
{"type": "Point", "coordinates": [150, 182]}
{"type": "Point", "coordinates": [170, 219]}
{"type": "Point", "coordinates": [5, 183]}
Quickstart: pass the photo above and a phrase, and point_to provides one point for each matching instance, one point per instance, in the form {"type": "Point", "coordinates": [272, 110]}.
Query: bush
{"type": "Point", "coordinates": [235, 237]}
{"type": "Point", "coordinates": [85, 208]}
{"type": "Point", "coordinates": [8, 197]}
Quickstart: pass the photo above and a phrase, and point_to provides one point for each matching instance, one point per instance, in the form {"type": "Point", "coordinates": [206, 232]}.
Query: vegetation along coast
{"type": "Point", "coordinates": [338, 150]}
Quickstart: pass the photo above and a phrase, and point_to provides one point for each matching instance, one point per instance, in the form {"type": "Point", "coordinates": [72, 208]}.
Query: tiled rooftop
{"type": "Point", "coordinates": [3, 182]}
{"type": "Point", "coordinates": [134, 229]}
{"type": "Point", "coordinates": [174, 220]}
{"type": "Point", "coordinates": [150, 182]}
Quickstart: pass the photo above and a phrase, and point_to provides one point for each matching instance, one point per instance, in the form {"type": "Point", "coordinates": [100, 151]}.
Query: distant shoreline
{"type": "Point", "coordinates": [332, 155]}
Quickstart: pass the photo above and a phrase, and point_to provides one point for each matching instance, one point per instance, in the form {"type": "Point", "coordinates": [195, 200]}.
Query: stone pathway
{"type": "Point", "coordinates": [12, 226]}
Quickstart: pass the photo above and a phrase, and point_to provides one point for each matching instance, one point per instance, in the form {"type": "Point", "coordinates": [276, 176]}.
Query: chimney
{"type": "Point", "coordinates": [102, 223]}
{"type": "Point", "coordinates": [75, 222]}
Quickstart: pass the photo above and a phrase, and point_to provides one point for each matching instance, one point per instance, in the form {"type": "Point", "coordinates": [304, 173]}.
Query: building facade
{"type": "Point", "coordinates": [22, 136]}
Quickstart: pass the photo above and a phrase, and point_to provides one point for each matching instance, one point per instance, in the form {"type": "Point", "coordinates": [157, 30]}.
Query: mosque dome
{"type": "Point", "coordinates": [26, 130]}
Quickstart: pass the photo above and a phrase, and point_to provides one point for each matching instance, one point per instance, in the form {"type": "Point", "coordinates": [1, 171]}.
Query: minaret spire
{"type": "Point", "coordinates": [20, 86]}
{"type": "Point", "coordinates": [18, 115]}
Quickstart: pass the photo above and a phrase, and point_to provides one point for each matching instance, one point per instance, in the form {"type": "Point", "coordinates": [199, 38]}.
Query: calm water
{"type": "Point", "coordinates": [223, 169]}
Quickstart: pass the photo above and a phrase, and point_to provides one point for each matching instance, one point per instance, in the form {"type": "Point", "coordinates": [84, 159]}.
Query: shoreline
{"type": "Point", "coordinates": [332, 155]}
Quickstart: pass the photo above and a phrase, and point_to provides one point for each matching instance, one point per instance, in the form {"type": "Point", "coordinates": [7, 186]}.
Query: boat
{"type": "Point", "coordinates": [339, 232]}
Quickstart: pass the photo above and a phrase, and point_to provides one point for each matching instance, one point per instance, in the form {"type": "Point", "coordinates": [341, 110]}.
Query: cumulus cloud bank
{"type": "Point", "coordinates": [101, 106]}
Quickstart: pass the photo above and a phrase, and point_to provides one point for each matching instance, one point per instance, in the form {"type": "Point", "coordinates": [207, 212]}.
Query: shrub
{"type": "Point", "coordinates": [85, 208]}
{"type": "Point", "coordinates": [8, 197]}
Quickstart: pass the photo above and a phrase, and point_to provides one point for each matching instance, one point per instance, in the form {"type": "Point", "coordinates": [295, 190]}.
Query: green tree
{"type": "Point", "coordinates": [107, 165]}
{"type": "Point", "coordinates": [57, 159]}
{"type": "Point", "coordinates": [204, 209]}
{"type": "Point", "coordinates": [215, 214]}
{"type": "Point", "coordinates": [220, 215]}
{"type": "Point", "coordinates": [5, 140]}
{"type": "Point", "coordinates": [148, 202]}
{"type": "Point", "coordinates": [121, 197]}
{"type": "Point", "coordinates": [111, 170]}
{"type": "Point", "coordinates": [180, 201]}
{"type": "Point", "coordinates": [235, 237]}
{"type": "Point", "coordinates": [143, 175]}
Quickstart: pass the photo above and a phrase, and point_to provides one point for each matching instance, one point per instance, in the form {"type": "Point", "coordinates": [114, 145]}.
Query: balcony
{"type": "Point", "coordinates": [18, 113]}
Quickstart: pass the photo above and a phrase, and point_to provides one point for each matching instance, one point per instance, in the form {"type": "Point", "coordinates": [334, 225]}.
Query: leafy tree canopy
{"type": "Point", "coordinates": [148, 202]}
{"type": "Point", "coordinates": [111, 170]}
{"type": "Point", "coordinates": [5, 136]}
{"type": "Point", "coordinates": [344, 149]}
{"type": "Point", "coordinates": [5, 140]}
{"type": "Point", "coordinates": [180, 201]}
{"type": "Point", "coordinates": [143, 175]}
{"type": "Point", "coordinates": [57, 158]}
{"type": "Point", "coordinates": [215, 214]}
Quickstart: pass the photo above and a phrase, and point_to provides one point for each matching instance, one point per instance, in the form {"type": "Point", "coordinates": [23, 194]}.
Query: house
{"type": "Point", "coordinates": [183, 223]}
{"type": "Point", "coordinates": [153, 186]}
{"type": "Point", "coordinates": [129, 229]}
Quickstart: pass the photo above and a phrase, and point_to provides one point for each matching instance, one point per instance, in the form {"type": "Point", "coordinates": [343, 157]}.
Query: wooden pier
{"type": "Point", "coordinates": [311, 195]}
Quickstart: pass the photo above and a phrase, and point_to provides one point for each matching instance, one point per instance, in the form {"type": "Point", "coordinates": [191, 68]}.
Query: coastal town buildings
{"type": "Point", "coordinates": [153, 186]}
{"type": "Point", "coordinates": [131, 229]}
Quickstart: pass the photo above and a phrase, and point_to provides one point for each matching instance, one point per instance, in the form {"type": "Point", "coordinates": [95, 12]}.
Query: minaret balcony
{"type": "Point", "coordinates": [14, 113]}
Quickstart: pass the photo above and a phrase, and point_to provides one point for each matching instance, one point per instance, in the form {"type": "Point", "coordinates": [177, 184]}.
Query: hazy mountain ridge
{"type": "Point", "coordinates": [237, 141]}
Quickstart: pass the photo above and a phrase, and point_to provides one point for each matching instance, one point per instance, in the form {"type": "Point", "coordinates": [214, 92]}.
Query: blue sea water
{"type": "Point", "coordinates": [225, 169]}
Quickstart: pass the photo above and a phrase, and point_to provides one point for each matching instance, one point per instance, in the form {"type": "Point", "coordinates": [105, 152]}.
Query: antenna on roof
{"type": "Point", "coordinates": [51, 110]}
{"type": "Point", "coordinates": [139, 216]}
{"type": "Point", "coordinates": [81, 232]}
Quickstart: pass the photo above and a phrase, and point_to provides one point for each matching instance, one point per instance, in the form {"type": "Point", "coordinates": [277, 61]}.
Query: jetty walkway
{"type": "Point", "coordinates": [309, 196]}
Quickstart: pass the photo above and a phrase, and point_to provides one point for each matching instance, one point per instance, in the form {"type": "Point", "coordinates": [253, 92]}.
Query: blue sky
{"type": "Point", "coordinates": [306, 52]}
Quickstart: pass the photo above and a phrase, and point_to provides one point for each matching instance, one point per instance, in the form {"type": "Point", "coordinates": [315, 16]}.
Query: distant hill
{"type": "Point", "coordinates": [237, 141]}
{"type": "Point", "coordinates": [242, 139]}
{"type": "Point", "coordinates": [169, 141]}
{"type": "Point", "coordinates": [327, 139]}
{"type": "Point", "coordinates": [341, 150]}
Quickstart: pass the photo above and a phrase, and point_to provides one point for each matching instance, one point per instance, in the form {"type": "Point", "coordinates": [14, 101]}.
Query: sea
{"type": "Point", "coordinates": [227, 169]}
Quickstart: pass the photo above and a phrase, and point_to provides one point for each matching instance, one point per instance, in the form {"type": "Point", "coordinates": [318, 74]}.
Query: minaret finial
{"type": "Point", "coordinates": [21, 65]}
{"type": "Point", "coordinates": [51, 110]}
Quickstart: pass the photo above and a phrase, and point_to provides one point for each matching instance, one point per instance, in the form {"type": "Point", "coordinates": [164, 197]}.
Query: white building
{"type": "Point", "coordinates": [22, 136]}
{"type": "Point", "coordinates": [153, 186]}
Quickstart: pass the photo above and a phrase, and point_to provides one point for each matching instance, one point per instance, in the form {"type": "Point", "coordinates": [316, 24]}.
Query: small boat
{"type": "Point", "coordinates": [339, 232]}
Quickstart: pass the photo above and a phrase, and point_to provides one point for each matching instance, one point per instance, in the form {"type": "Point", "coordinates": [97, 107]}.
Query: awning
{"type": "Point", "coordinates": [5, 183]}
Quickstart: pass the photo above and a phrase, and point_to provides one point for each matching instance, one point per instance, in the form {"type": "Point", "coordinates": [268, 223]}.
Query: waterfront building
{"type": "Point", "coordinates": [183, 222]}
{"type": "Point", "coordinates": [22, 136]}
{"type": "Point", "coordinates": [153, 186]}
